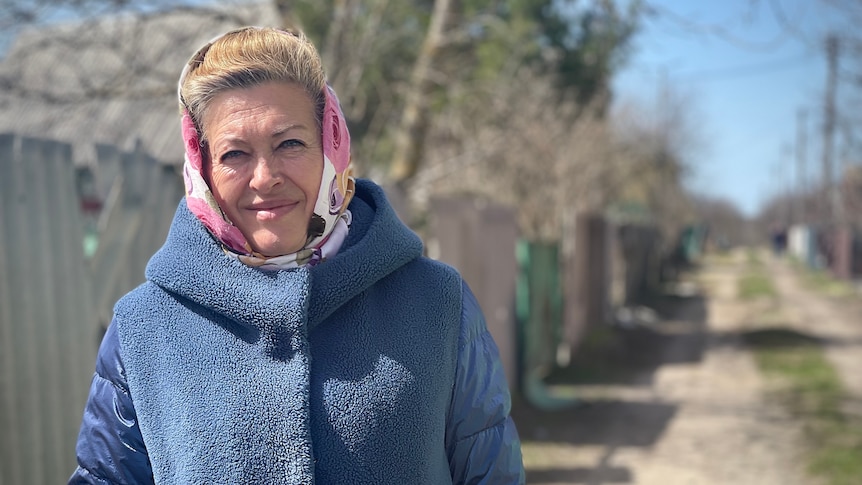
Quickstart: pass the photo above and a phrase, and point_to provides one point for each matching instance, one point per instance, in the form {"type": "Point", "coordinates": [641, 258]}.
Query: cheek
{"type": "Point", "coordinates": [311, 176]}
{"type": "Point", "coordinates": [225, 185]}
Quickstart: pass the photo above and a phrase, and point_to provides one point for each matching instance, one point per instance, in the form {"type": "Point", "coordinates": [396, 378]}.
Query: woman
{"type": "Point", "coordinates": [290, 330]}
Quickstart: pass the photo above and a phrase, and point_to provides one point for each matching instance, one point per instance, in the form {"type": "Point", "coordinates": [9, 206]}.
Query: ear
{"type": "Point", "coordinates": [350, 186]}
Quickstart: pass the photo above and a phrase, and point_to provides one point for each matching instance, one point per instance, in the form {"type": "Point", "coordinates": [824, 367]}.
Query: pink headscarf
{"type": "Point", "coordinates": [330, 219]}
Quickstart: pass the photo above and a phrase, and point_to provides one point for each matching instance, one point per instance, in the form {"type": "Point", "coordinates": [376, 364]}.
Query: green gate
{"type": "Point", "coordinates": [539, 311]}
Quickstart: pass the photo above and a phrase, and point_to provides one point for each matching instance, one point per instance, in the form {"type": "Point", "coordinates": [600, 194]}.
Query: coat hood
{"type": "Point", "coordinates": [193, 265]}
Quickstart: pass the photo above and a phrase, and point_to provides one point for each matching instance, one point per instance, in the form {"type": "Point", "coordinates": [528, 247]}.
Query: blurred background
{"type": "Point", "coordinates": [655, 201]}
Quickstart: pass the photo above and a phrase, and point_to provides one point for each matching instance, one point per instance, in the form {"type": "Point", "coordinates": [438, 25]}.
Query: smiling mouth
{"type": "Point", "coordinates": [271, 212]}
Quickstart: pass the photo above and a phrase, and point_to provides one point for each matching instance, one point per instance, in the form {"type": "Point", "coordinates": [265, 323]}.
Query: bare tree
{"type": "Point", "coordinates": [519, 147]}
{"type": "Point", "coordinates": [104, 49]}
{"type": "Point", "coordinates": [410, 136]}
{"type": "Point", "coordinates": [109, 79]}
{"type": "Point", "coordinates": [726, 225]}
{"type": "Point", "coordinates": [663, 143]}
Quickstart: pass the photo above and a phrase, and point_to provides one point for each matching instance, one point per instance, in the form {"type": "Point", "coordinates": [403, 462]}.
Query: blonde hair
{"type": "Point", "coordinates": [249, 57]}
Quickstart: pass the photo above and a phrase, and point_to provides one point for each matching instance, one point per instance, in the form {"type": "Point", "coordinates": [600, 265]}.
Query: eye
{"type": "Point", "coordinates": [292, 143]}
{"type": "Point", "coordinates": [232, 154]}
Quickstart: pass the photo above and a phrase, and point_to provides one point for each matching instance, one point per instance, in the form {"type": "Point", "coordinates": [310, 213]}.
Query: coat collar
{"type": "Point", "coordinates": [193, 265]}
{"type": "Point", "coordinates": [378, 244]}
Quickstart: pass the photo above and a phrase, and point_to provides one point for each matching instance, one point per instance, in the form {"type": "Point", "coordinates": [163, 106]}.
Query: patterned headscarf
{"type": "Point", "coordinates": [330, 219]}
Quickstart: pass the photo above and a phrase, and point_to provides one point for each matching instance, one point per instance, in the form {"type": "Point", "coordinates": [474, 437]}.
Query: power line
{"type": "Point", "coordinates": [750, 69]}
{"type": "Point", "coordinates": [790, 23]}
{"type": "Point", "coordinates": [716, 30]}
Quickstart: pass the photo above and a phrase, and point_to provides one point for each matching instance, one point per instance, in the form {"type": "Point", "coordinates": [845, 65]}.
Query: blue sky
{"type": "Point", "coordinates": [746, 68]}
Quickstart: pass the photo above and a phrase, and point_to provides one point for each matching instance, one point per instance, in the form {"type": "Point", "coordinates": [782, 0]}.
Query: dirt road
{"type": "Point", "coordinates": [837, 322]}
{"type": "Point", "coordinates": [680, 400]}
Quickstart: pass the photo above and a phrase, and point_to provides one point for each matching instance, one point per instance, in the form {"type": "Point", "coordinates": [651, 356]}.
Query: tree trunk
{"type": "Point", "coordinates": [414, 120]}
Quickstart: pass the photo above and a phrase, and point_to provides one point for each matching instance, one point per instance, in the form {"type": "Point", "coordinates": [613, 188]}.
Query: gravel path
{"type": "Point", "coordinates": [691, 408]}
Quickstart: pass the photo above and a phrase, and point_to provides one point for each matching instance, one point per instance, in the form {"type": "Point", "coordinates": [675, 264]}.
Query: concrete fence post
{"type": "Point", "coordinates": [479, 240]}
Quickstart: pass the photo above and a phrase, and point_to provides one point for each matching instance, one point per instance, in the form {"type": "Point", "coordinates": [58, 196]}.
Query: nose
{"type": "Point", "coordinates": [267, 174]}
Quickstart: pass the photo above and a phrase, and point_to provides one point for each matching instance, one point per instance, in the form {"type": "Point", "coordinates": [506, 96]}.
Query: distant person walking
{"type": "Point", "coordinates": [290, 330]}
{"type": "Point", "coordinates": [779, 240]}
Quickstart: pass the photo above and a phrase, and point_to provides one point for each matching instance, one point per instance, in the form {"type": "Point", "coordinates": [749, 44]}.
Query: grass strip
{"type": "Point", "coordinates": [812, 391]}
{"type": "Point", "coordinates": [753, 257]}
{"type": "Point", "coordinates": [822, 282]}
{"type": "Point", "coordinates": [755, 284]}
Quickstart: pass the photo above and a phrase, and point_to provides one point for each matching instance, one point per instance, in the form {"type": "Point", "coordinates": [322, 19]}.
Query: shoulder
{"type": "Point", "coordinates": [444, 285]}
{"type": "Point", "coordinates": [142, 303]}
{"type": "Point", "coordinates": [148, 310]}
{"type": "Point", "coordinates": [432, 279]}
{"type": "Point", "coordinates": [473, 324]}
{"type": "Point", "coordinates": [433, 270]}
{"type": "Point", "coordinates": [450, 285]}
{"type": "Point", "coordinates": [109, 363]}
{"type": "Point", "coordinates": [145, 295]}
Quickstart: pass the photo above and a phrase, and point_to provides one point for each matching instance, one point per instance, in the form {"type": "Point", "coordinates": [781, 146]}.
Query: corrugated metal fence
{"type": "Point", "coordinates": [52, 300]}
{"type": "Point", "coordinates": [141, 196]}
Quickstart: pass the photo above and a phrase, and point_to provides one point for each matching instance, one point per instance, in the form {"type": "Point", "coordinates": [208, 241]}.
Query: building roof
{"type": "Point", "coordinates": [110, 80]}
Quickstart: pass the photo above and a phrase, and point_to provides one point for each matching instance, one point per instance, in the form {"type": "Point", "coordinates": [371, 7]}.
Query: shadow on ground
{"type": "Point", "coordinates": [609, 425]}
{"type": "Point", "coordinates": [630, 355]}
{"type": "Point", "coordinates": [616, 356]}
{"type": "Point", "coordinates": [784, 337]}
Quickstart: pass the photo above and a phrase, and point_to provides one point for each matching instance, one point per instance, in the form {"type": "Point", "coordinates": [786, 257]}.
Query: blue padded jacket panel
{"type": "Point", "coordinates": [482, 442]}
{"type": "Point", "coordinates": [110, 448]}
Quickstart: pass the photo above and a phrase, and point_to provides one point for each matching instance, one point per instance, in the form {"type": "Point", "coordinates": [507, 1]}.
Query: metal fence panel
{"type": "Point", "coordinates": [48, 337]}
{"type": "Point", "coordinates": [141, 197]}
{"type": "Point", "coordinates": [10, 471]}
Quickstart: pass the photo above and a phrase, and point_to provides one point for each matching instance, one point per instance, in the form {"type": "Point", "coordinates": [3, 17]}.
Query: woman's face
{"type": "Point", "coordinates": [265, 163]}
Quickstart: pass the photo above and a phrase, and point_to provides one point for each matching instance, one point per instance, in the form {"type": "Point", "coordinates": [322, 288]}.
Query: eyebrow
{"type": "Point", "coordinates": [284, 129]}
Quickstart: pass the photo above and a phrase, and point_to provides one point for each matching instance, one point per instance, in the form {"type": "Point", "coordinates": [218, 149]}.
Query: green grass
{"type": "Point", "coordinates": [823, 283]}
{"type": "Point", "coordinates": [811, 390]}
{"type": "Point", "coordinates": [720, 257]}
{"type": "Point", "coordinates": [755, 284]}
{"type": "Point", "coordinates": [753, 257]}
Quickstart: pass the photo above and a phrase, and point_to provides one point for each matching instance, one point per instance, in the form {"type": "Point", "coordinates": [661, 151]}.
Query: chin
{"type": "Point", "coordinates": [276, 247]}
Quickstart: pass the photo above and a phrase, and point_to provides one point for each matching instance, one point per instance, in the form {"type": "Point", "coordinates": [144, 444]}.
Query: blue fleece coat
{"type": "Point", "coordinates": [373, 367]}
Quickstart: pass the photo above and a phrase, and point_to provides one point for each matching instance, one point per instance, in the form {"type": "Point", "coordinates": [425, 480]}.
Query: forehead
{"type": "Point", "coordinates": [260, 105]}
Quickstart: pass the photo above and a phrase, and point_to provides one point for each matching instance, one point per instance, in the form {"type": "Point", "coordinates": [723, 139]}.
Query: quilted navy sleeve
{"type": "Point", "coordinates": [482, 443]}
{"type": "Point", "coordinates": [110, 448]}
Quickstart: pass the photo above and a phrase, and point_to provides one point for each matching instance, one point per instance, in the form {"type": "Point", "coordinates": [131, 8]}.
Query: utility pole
{"type": "Point", "coordinates": [830, 186]}
{"type": "Point", "coordinates": [785, 180]}
{"type": "Point", "coordinates": [801, 160]}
